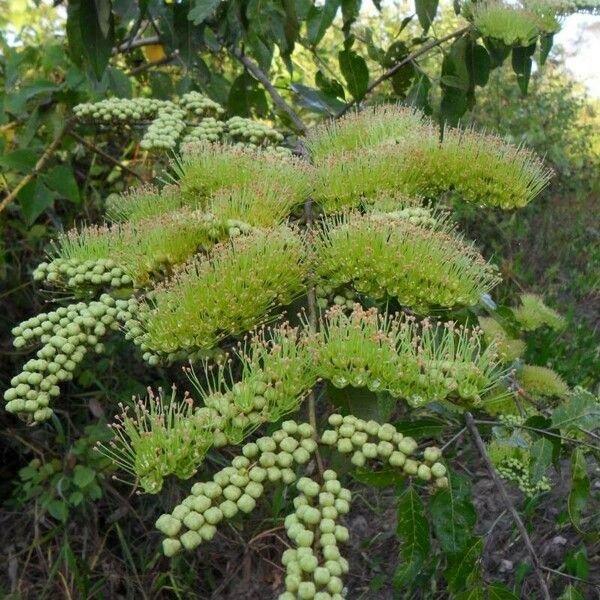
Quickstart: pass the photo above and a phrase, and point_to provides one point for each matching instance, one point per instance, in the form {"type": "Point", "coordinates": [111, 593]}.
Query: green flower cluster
{"type": "Point", "coordinates": [419, 362]}
{"type": "Point", "coordinates": [508, 348]}
{"type": "Point", "coordinates": [67, 333]}
{"type": "Point", "coordinates": [533, 314]}
{"type": "Point", "coordinates": [483, 169]}
{"type": "Point", "coordinates": [143, 203]}
{"type": "Point", "coordinates": [386, 257]}
{"type": "Point", "coordinates": [314, 567]}
{"type": "Point", "coordinates": [226, 293]}
{"type": "Point", "coordinates": [208, 168]}
{"type": "Point", "coordinates": [208, 130]}
{"type": "Point", "coordinates": [371, 441]}
{"type": "Point", "coordinates": [252, 132]}
{"type": "Point", "coordinates": [117, 111]}
{"type": "Point", "coordinates": [236, 488]}
{"type": "Point", "coordinates": [542, 381]}
{"type": "Point", "coordinates": [140, 250]}
{"type": "Point", "coordinates": [81, 275]}
{"type": "Point", "coordinates": [165, 130]}
{"type": "Point", "coordinates": [276, 375]}
{"type": "Point", "coordinates": [514, 464]}
{"type": "Point", "coordinates": [156, 438]}
{"type": "Point", "coordinates": [514, 24]}
{"type": "Point", "coordinates": [200, 105]}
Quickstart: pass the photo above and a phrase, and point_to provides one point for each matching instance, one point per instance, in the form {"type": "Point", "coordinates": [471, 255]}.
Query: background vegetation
{"type": "Point", "coordinates": [67, 529]}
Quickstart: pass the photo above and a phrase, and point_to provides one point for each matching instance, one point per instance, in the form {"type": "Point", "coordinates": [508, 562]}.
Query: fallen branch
{"type": "Point", "coordinates": [39, 166]}
{"type": "Point", "coordinates": [258, 73]}
{"type": "Point", "coordinates": [423, 50]}
{"type": "Point", "coordinates": [537, 565]}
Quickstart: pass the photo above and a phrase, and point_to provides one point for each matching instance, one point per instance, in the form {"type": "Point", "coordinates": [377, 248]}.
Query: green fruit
{"type": "Point", "coordinates": [207, 532]}
{"type": "Point", "coordinates": [329, 437]}
{"type": "Point", "coordinates": [228, 508]}
{"type": "Point", "coordinates": [190, 540]}
{"type": "Point", "coordinates": [171, 547]}
{"type": "Point", "coordinates": [304, 538]}
{"type": "Point", "coordinates": [438, 470]}
{"type": "Point", "coordinates": [334, 567]}
{"type": "Point", "coordinates": [329, 475]}
{"type": "Point", "coordinates": [246, 503]}
{"type": "Point", "coordinates": [370, 450]}
{"type": "Point", "coordinates": [201, 504]}
{"type": "Point", "coordinates": [321, 576]}
{"type": "Point", "coordinates": [344, 446]}
{"type": "Point", "coordinates": [306, 590]}
{"type": "Point", "coordinates": [397, 459]}
{"type": "Point", "coordinates": [407, 446]}
{"type": "Point", "coordinates": [168, 525]}
{"type": "Point", "coordinates": [411, 467]}
{"type": "Point", "coordinates": [257, 474]}
{"type": "Point", "coordinates": [432, 454]}
{"type": "Point", "coordinates": [327, 525]}
{"type": "Point", "coordinates": [335, 420]}
{"type": "Point", "coordinates": [311, 515]}
{"type": "Point", "coordinates": [330, 552]}
{"type": "Point", "coordinates": [254, 489]}
{"type": "Point", "coordinates": [335, 585]}
{"type": "Point", "coordinates": [424, 472]}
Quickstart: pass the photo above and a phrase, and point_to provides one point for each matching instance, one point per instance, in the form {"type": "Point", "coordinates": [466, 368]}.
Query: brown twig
{"type": "Point", "coordinates": [423, 50]}
{"type": "Point", "coordinates": [104, 155]}
{"type": "Point", "coordinates": [258, 73]}
{"type": "Point", "coordinates": [136, 43]}
{"type": "Point", "coordinates": [39, 166]}
{"type": "Point", "coordinates": [153, 63]}
{"type": "Point", "coordinates": [537, 565]}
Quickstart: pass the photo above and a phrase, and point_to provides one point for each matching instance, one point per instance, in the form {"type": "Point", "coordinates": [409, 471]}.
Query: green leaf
{"type": "Point", "coordinates": [418, 95]}
{"type": "Point", "coordinates": [202, 10]}
{"type": "Point", "coordinates": [546, 42]}
{"type": "Point", "coordinates": [34, 199]}
{"type": "Point", "coordinates": [480, 64]}
{"type": "Point", "coordinates": [61, 179]}
{"type": "Point", "coordinates": [414, 534]}
{"type": "Point", "coordinates": [83, 476]}
{"type": "Point", "coordinates": [76, 498]}
{"type": "Point", "coordinates": [118, 82]}
{"type": "Point", "coordinates": [571, 593]}
{"type": "Point", "coordinates": [359, 402]}
{"type": "Point", "coordinates": [426, 11]}
{"type": "Point", "coordinates": [97, 31]}
{"type": "Point", "coordinates": [521, 64]}
{"type": "Point", "coordinates": [328, 85]}
{"type": "Point", "coordinates": [319, 20]}
{"type": "Point", "coordinates": [580, 487]}
{"type": "Point", "coordinates": [355, 72]}
{"type": "Point", "coordinates": [499, 592]}
{"type": "Point", "coordinates": [58, 509]}
{"type": "Point", "coordinates": [541, 458]}
{"type": "Point", "coordinates": [245, 96]}
{"type": "Point", "coordinates": [316, 100]}
{"type": "Point", "coordinates": [421, 428]}
{"type": "Point", "coordinates": [581, 409]}
{"type": "Point", "coordinates": [475, 593]}
{"type": "Point", "coordinates": [379, 479]}
{"type": "Point", "coordinates": [22, 160]}
{"type": "Point", "coordinates": [463, 568]}
{"type": "Point", "coordinates": [453, 515]}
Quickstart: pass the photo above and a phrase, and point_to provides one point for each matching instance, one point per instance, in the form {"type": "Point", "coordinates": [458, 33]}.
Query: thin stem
{"type": "Point", "coordinates": [154, 63]}
{"type": "Point", "coordinates": [423, 50]}
{"type": "Point", "coordinates": [567, 576]}
{"type": "Point", "coordinates": [259, 74]}
{"type": "Point", "coordinates": [537, 566]}
{"type": "Point", "coordinates": [537, 430]}
{"type": "Point", "coordinates": [136, 43]}
{"type": "Point", "coordinates": [453, 439]}
{"type": "Point", "coordinates": [104, 155]}
{"type": "Point", "coordinates": [39, 166]}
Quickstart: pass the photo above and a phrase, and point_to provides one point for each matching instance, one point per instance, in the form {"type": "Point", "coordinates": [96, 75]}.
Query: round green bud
{"type": "Point", "coordinates": [386, 432]}
{"type": "Point", "coordinates": [207, 531]}
{"type": "Point", "coordinates": [432, 454]}
{"type": "Point", "coordinates": [335, 585]}
{"type": "Point", "coordinates": [273, 474]}
{"type": "Point", "coordinates": [290, 427]}
{"type": "Point", "coordinates": [232, 492]}
{"type": "Point", "coordinates": [305, 430]}
{"type": "Point", "coordinates": [288, 444]}
{"type": "Point", "coordinates": [229, 508]}
{"type": "Point", "coordinates": [407, 445]}
{"type": "Point", "coordinates": [344, 446]}
{"type": "Point", "coordinates": [288, 476]}
{"type": "Point", "coordinates": [370, 450]}
{"type": "Point", "coordinates": [171, 547]}
{"type": "Point", "coordinates": [442, 482]}
{"type": "Point", "coordinates": [257, 474]}
{"type": "Point", "coordinates": [329, 437]}
{"type": "Point", "coordinates": [311, 515]}
{"type": "Point", "coordinates": [384, 449]}
{"type": "Point", "coordinates": [267, 459]}
{"type": "Point", "coordinates": [327, 525]}
{"type": "Point", "coordinates": [304, 538]}
{"type": "Point", "coordinates": [266, 444]}
{"type": "Point", "coordinates": [397, 459]}
{"type": "Point", "coordinates": [168, 525]}
{"type": "Point", "coordinates": [358, 459]}
{"type": "Point", "coordinates": [342, 506]}
{"type": "Point", "coordinates": [411, 466]}
{"type": "Point", "coordinates": [334, 567]}
{"type": "Point", "coordinates": [284, 459]}
{"type": "Point", "coordinates": [292, 582]}
{"type": "Point", "coordinates": [438, 470]}
{"type": "Point", "coordinates": [191, 540]}
{"type": "Point", "coordinates": [335, 420]}
{"type": "Point", "coordinates": [329, 512]}
{"type": "Point", "coordinates": [333, 486]}
{"type": "Point", "coordinates": [246, 503]}
{"type": "Point", "coordinates": [329, 475]}
{"type": "Point", "coordinates": [341, 533]}
{"type": "Point", "coordinates": [330, 552]}
{"type": "Point", "coordinates": [321, 576]}
{"type": "Point", "coordinates": [212, 489]}
{"type": "Point", "coordinates": [306, 590]}
{"type": "Point", "coordinates": [254, 489]}
{"type": "Point", "coordinates": [240, 462]}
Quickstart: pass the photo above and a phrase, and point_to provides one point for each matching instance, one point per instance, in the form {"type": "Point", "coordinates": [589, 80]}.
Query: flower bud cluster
{"type": "Point", "coordinates": [252, 132]}
{"type": "Point", "coordinates": [208, 130]}
{"type": "Point", "coordinates": [368, 441]}
{"type": "Point", "coordinates": [236, 488]}
{"type": "Point", "coordinates": [315, 566]}
{"type": "Point", "coordinates": [163, 133]}
{"type": "Point", "coordinates": [81, 275]}
{"type": "Point", "coordinates": [117, 111]}
{"type": "Point", "coordinates": [200, 105]}
{"type": "Point", "coordinates": [67, 334]}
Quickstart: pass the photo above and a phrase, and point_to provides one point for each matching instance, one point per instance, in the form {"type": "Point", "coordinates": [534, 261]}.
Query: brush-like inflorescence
{"type": "Point", "coordinates": [144, 203]}
{"type": "Point", "coordinates": [385, 257]}
{"type": "Point", "coordinates": [533, 314]}
{"type": "Point", "coordinates": [509, 349]}
{"type": "Point", "coordinates": [373, 126]}
{"type": "Point", "coordinates": [226, 293]}
{"type": "Point", "coordinates": [276, 374]}
{"type": "Point", "coordinates": [207, 168]}
{"type": "Point", "coordinates": [483, 169]}
{"type": "Point", "coordinates": [66, 334]}
{"type": "Point", "coordinates": [417, 361]}
{"type": "Point", "coordinates": [158, 437]}
{"type": "Point", "coordinates": [128, 254]}
{"type": "Point", "coordinates": [513, 23]}
{"type": "Point", "coordinates": [542, 381]}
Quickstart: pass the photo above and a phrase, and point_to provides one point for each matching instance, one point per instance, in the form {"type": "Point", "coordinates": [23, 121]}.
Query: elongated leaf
{"type": "Point", "coordinates": [453, 515]}
{"type": "Point", "coordinates": [202, 9]}
{"type": "Point", "coordinates": [421, 428]}
{"type": "Point", "coordinates": [546, 42]}
{"type": "Point", "coordinates": [316, 100]}
{"type": "Point", "coordinates": [355, 72]}
{"type": "Point", "coordinates": [475, 593]}
{"type": "Point", "coordinates": [582, 409]}
{"type": "Point", "coordinates": [463, 568]}
{"type": "Point", "coordinates": [379, 479]}
{"type": "Point", "coordinates": [499, 592]}
{"type": "Point", "coordinates": [580, 487]}
{"type": "Point", "coordinates": [319, 19]}
{"type": "Point", "coordinates": [426, 11]}
{"type": "Point", "coordinates": [571, 593]}
{"type": "Point", "coordinates": [96, 33]}
{"type": "Point", "coordinates": [34, 199]}
{"type": "Point", "coordinates": [522, 63]}
{"type": "Point", "coordinates": [413, 531]}
{"type": "Point", "coordinates": [541, 458]}
{"type": "Point", "coordinates": [62, 180]}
